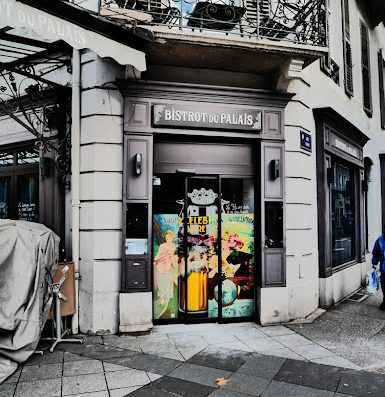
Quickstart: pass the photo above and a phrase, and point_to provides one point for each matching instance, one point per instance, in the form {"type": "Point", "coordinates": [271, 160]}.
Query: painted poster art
{"type": "Point", "coordinates": [166, 272]}
{"type": "Point", "coordinates": [196, 270]}
{"type": "Point", "coordinates": [237, 268]}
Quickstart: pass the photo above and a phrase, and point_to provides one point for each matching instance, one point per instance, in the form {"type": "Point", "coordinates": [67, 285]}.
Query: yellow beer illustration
{"type": "Point", "coordinates": [196, 291]}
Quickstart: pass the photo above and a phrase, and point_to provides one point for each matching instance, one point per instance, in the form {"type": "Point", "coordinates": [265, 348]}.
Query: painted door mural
{"type": "Point", "coordinates": [196, 273]}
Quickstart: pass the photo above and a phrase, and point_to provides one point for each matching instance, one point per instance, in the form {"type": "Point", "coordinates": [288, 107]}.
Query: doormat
{"type": "Point", "coordinates": [358, 296]}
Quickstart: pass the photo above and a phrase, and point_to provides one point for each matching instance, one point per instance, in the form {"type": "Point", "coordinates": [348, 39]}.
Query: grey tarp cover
{"type": "Point", "coordinates": [28, 260]}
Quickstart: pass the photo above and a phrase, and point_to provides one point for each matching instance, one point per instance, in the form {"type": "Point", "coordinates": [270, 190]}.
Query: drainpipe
{"type": "Point", "coordinates": [75, 178]}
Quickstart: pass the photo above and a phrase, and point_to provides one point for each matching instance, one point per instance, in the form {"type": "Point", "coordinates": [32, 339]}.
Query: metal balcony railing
{"type": "Point", "coordinates": [297, 21]}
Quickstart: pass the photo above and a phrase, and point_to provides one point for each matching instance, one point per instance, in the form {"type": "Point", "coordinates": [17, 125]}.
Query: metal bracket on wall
{"type": "Point", "coordinates": [29, 97]}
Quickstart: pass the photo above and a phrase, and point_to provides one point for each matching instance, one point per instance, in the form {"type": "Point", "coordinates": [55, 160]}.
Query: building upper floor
{"type": "Point", "coordinates": [350, 78]}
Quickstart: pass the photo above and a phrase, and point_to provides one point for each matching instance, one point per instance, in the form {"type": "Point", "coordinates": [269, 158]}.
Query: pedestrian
{"type": "Point", "coordinates": [379, 257]}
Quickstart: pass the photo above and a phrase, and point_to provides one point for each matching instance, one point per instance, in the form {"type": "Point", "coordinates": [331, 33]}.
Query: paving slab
{"type": "Point", "coordinates": [276, 330]}
{"type": "Point", "coordinates": [275, 389]}
{"type": "Point", "coordinates": [223, 392]}
{"type": "Point", "coordinates": [188, 352]}
{"type": "Point", "coordinates": [14, 378]}
{"type": "Point", "coordinates": [93, 394]}
{"type": "Point", "coordinates": [263, 344]}
{"type": "Point", "coordinates": [284, 352]}
{"type": "Point", "coordinates": [350, 330]}
{"type": "Point", "coordinates": [46, 358]}
{"type": "Point", "coordinates": [234, 346]}
{"type": "Point", "coordinates": [199, 374]}
{"type": "Point", "coordinates": [182, 388]}
{"type": "Point", "coordinates": [262, 366]}
{"type": "Point", "coordinates": [153, 376]}
{"type": "Point", "coordinates": [220, 358]}
{"type": "Point", "coordinates": [84, 384]}
{"type": "Point", "coordinates": [293, 340]}
{"type": "Point", "coordinates": [173, 354]}
{"type": "Point", "coordinates": [215, 337]}
{"type": "Point", "coordinates": [149, 391]}
{"type": "Point", "coordinates": [337, 361]}
{"type": "Point", "coordinates": [40, 372]}
{"type": "Point", "coordinates": [7, 389]}
{"type": "Point", "coordinates": [87, 367]}
{"type": "Point", "coordinates": [68, 357]}
{"type": "Point", "coordinates": [193, 341]}
{"type": "Point", "coordinates": [92, 338]}
{"type": "Point", "coordinates": [145, 362]}
{"type": "Point", "coordinates": [362, 384]}
{"type": "Point", "coordinates": [123, 392]}
{"type": "Point", "coordinates": [106, 353]}
{"type": "Point", "coordinates": [108, 367]}
{"type": "Point", "coordinates": [251, 333]}
{"type": "Point", "coordinates": [247, 384]}
{"type": "Point", "coordinates": [312, 351]}
{"type": "Point", "coordinates": [124, 342]}
{"type": "Point", "coordinates": [309, 374]}
{"type": "Point", "coordinates": [126, 378]}
{"type": "Point", "coordinates": [39, 388]}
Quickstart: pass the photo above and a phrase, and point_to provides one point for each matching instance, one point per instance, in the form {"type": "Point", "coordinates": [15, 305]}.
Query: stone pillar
{"type": "Point", "coordinates": [101, 169]}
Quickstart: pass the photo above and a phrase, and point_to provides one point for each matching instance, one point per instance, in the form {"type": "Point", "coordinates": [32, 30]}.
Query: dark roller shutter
{"type": "Point", "coordinates": [348, 63]}
{"type": "Point", "coordinates": [365, 63]}
{"type": "Point", "coordinates": [381, 66]}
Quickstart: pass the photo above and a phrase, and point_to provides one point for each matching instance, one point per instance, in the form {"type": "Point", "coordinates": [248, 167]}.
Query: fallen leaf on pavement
{"type": "Point", "coordinates": [222, 381]}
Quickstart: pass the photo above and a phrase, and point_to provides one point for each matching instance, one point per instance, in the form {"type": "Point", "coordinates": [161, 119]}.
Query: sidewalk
{"type": "Point", "coordinates": [187, 360]}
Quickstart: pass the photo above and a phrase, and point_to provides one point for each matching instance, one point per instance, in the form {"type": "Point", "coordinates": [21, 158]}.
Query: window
{"type": "Point", "coordinates": [381, 67]}
{"type": "Point", "coordinates": [365, 64]}
{"type": "Point", "coordinates": [330, 68]}
{"type": "Point", "coordinates": [343, 214]}
{"type": "Point", "coordinates": [348, 63]}
{"type": "Point", "coordinates": [19, 184]}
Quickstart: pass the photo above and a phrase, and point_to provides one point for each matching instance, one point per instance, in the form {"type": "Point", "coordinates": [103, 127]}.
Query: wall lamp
{"type": "Point", "coordinates": [138, 163]}
{"type": "Point", "coordinates": [275, 167]}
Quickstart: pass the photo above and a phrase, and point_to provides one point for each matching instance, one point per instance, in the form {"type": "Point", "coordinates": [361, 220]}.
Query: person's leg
{"type": "Point", "coordinates": [382, 282]}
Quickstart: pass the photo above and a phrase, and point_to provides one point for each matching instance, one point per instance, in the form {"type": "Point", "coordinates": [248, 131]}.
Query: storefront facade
{"type": "Point", "coordinates": [342, 191]}
{"type": "Point", "coordinates": [216, 171]}
{"type": "Point", "coordinates": [200, 190]}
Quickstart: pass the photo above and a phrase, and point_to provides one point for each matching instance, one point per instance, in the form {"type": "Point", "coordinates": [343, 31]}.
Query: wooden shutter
{"type": "Point", "coordinates": [381, 66]}
{"type": "Point", "coordinates": [365, 64]}
{"type": "Point", "coordinates": [348, 62]}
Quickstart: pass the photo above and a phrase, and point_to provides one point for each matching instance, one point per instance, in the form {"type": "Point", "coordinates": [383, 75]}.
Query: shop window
{"type": "Point", "coordinates": [366, 76]}
{"type": "Point", "coordinates": [343, 215]}
{"type": "Point", "coordinates": [348, 62]}
{"type": "Point", "coordinates": [381, 82]}
{"type": "Point", "coordinates": [19, 184]}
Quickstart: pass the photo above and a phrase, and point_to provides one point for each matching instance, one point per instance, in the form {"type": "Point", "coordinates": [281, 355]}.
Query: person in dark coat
{"type": "Point", "coordinates": [379, 258]}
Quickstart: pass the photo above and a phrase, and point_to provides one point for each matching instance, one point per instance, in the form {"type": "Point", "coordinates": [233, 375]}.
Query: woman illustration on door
{"type": "Point", "coordinates": [165, 263]}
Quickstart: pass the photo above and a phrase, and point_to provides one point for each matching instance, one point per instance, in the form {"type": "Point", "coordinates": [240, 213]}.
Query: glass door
{"type": "Point", "coordinates": [237, 247]}
{"type": "Point", "coordinates": [5, 196]}
{"type": "Point", "coordinates": [198, 275]}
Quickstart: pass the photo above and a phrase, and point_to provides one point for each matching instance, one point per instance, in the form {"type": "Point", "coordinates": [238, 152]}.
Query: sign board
{"type": "Point", "coordinates": [206, 117]}
{"type": "Point", "coordinates": [344, 146]}
{"type": "Point", "coordinates": [306, 141]}
{"type": "Point", "coordinates": [42, 25]}
{"type": "Point", "coordinates": [68, 289]}
{"type": "Point", "coordinates": [136, 246]}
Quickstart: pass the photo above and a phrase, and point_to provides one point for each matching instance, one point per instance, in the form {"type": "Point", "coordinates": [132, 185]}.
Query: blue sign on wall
{"type": "Point", "coordinates": [306, 141]}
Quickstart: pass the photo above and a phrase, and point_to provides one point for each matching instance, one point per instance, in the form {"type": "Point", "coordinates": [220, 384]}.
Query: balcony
{"type": "Point", "coordinates": [296, 21]}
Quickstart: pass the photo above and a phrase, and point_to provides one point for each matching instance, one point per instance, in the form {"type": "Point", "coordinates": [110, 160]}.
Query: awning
{"type": "Point", "coordinates": [46, 26]}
